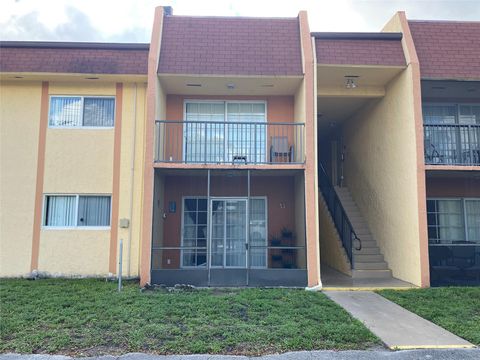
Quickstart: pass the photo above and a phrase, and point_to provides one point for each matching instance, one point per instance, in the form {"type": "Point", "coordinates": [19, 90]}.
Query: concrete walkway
{"type": "Point", "coordinates": [397, 327]}
{"type": "Point", "coordinates": [461, 354]}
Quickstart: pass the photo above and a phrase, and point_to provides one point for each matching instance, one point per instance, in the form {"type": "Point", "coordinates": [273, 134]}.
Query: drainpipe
{"type": "Point", "coordinates": [132, 179]}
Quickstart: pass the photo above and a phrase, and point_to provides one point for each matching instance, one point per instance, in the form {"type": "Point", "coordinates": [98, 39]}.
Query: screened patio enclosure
{"type": "Point", "coordinates": [229, 228]}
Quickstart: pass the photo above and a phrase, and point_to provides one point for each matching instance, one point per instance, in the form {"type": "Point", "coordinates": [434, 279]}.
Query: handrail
{"type": "Point", "coordinates": [340, 218]}
{"type": "Point", "coordinates": [266, 123]}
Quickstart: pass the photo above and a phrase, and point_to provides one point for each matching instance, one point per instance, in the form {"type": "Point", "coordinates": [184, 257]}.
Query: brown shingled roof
{"type": "Point", "coordinates": [230, 46]}
{"type": "Point", "coordinates": [447, 49]}
{"type": "Point", "coordinates": [359, 49]}
{"type": "Point", "coordinates": [88, 58]}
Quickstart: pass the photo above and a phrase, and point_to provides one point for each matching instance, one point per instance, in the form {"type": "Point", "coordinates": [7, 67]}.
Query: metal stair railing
{"type": "Point", "coordinates": [342, 223]}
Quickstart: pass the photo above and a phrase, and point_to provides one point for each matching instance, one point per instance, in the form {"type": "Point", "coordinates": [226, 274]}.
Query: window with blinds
{"type": "Point", "coordinates": [81, 111]}
{"type": "Point", "coordinates": [453, 221]}
{"type": "Point", "coordinates": [77, 211]}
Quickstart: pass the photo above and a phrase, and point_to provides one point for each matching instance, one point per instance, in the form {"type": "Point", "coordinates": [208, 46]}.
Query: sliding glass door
{"type": "Point", "coordinates": [218, 132]}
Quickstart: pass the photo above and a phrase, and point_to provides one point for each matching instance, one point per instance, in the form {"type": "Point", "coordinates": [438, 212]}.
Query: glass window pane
{"type": "Point", "coordinates": [65, 111]}
{"type": "Point", "coordinates": [94, 211]}
{"type": "Point", "coordinates": [445, 221]}
{"type": "Point", "coordinates": [202, 204]}
{"type": "Point", "coordinates": [246, 133]}
{"type": "Point", "coordinates": [204, 141]}
{"type": "Point", "coordinates": [98, 112]}
{"type": "Point", "coordinates": [190, 204]}
{"type": "Point", "coordinates": [188, 257]}
{"type": "Point", "coordinates": [439, 114]}
{"type": "Point", "coordinates": [472, 209]}
{"type": "Point", "coordinates": [60, 210]}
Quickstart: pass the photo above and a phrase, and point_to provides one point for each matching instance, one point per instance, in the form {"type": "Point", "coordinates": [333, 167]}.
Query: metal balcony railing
{"type": "Point", "coordinates": [452, 144]}
{"type": "Point", "coordinates": [215, 142]}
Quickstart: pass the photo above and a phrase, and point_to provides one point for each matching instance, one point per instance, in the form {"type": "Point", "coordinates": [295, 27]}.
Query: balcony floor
{"type": "Point", "coordinates": [284, 166]}
{"type": "Point", "coordinates": [335, 280]}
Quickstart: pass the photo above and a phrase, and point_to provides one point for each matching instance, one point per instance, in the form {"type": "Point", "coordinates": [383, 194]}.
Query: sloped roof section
{"type": "Point", "coordinates": [230, 46]}
{"type": "Point", "coordinates": [359, 49]}
{"type": "Point", "coordinates": [447, 49]}
{"type": "Point", "coordinates": [87, 58]}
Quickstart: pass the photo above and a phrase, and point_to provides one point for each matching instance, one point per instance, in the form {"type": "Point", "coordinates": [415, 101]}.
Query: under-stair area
{"type": "Point", "coordinates": [368, 262]}
{"type": "Point", "coordinates": [350, 255]}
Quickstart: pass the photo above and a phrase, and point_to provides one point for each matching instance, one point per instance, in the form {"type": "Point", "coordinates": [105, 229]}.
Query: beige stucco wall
{"type": "Point", "coordinates": [19, 126]}
{"type": "Point", "coordinates": [131, 174]}
{"type": "Point", "coordinates": [77, 161]}
{"type": "Point", "coordinates": [381, 173]}
{"type": "Point", "coordinates": [299, 114]}
{"type": "Point", "coordinates": [332, 252]}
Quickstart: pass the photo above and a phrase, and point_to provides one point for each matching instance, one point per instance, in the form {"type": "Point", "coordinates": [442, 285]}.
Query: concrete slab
{"type": "Point", "coordinates": [335, 280]}
{"type": "Point", "coordinates": [397, 327]}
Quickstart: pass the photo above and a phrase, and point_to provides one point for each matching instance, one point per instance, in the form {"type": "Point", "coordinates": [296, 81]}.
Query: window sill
{"type": "Point", "coordinates": [82, 127]}
{"type": "Point", "coordinates": [81, 228]}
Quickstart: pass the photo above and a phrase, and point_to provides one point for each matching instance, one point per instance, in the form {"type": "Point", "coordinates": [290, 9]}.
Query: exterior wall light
{"type": "Point", "coordinates": [350, 83]}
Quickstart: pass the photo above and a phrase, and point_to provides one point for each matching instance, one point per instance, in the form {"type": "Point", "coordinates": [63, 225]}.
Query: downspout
{"type": "Point", "coordinates": [132, 180]}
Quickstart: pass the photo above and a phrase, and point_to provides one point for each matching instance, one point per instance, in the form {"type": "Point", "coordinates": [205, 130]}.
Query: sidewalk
{"type": "Point", "coordinates": [461, 354]}
{"type": "Point", "coordinates": [397, 327]}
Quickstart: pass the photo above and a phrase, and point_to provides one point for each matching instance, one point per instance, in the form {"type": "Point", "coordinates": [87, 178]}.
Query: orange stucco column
{"type": "Point", "coordinates": [117, 145]}
{"type": "Point", "coordinates": [311, 192]}
{"type": "Point", "coordinates": [148, 175]}
{"type": "Point", "coordinates": [42, 138]}
{"type": "Point", "coordinates": [412, 60]}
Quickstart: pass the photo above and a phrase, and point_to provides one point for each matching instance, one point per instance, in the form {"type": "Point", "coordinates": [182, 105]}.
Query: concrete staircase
{"type": "Point", "coordinates": [367, 262]}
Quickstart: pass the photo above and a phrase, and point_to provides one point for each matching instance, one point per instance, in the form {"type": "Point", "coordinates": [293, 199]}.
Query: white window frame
{"type": "Point", "coordinates": [225, 115]}
{"type": "Point", "coordinates": [209, 225]}
{"type": "Point", "coordinates": [77, 201]}
{"type": "Point", "coordinates": [464, 218]}
{"type": "Point", "coordinates": [82, 97]}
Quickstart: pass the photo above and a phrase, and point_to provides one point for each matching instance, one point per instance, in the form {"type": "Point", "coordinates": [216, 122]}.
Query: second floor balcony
{"type": "Point", "coordinates": [452, 144]}
{"type": "Point", "coordinates": [451, 134]}
{"type": "Point", "coordinates": [229, 142]}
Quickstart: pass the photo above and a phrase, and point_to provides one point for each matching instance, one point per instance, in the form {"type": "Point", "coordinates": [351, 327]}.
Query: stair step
{"type": "Point", "coordinates": [360, 228]}
{"type": "Point", "coordinates": [363, 258]}
{"type": "Point", "coordinates": [367, 251]}
{"type": "Point", "coordinates": [371, 274]}
{"type": "Point", "coordinates": [364, 235]}
{"type": "Point", "coordinates": [371, 265]}
{"type": "Point", "coordinates": [368, 244]}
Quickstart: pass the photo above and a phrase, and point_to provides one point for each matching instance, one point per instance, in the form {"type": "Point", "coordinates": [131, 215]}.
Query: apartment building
{"type": "Point", "coordinates": [237, 151]}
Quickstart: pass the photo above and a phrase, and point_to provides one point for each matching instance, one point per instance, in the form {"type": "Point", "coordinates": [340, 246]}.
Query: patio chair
{"type": "Point", "coordinates": [279, 148]}
{"type": "Point", "coordinates": [432, 156]}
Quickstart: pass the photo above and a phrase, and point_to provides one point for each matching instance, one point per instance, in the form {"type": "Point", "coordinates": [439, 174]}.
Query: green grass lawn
{"type": "Point", "coordinates": [88, 317]}
{"type": "Point", "coordinates": [456, 309]}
